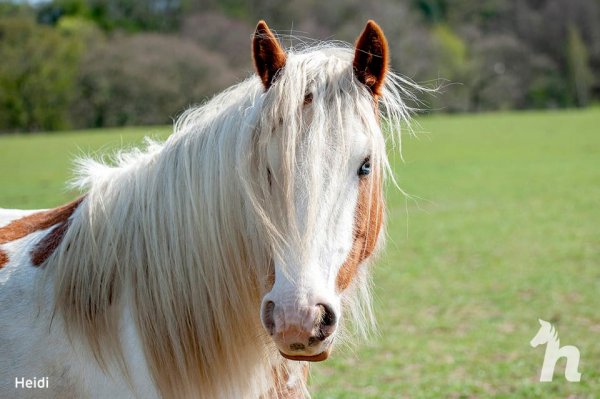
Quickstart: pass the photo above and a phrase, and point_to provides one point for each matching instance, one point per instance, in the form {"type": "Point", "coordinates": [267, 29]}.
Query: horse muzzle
{"type": "Point", "coordinates": [301, 333]}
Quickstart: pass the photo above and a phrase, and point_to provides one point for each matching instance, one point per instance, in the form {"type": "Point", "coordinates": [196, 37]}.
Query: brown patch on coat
{"type": "Point", "coordinates": [371, 57]}
{"type": "Point", "coordinates": [368, 220]}
{"type": "Point", "coordinates": [3, 258]}
{"type": "Point", "coordinates": [48, 244]}
{"type": "Point", "coordinates": [282, 390]}
{"type": "Point", "coordinates": [268, 55]}
{"type": "Point", "coordinates": [26, 225]}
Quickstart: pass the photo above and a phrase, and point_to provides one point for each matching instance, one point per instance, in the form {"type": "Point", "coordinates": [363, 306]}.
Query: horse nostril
{"type": "Point", "coordinates": [328, 317]}
{"type": "Point", "coordinates": [327, 322]}
{"type": "Point", "coordinates": [267, 317]}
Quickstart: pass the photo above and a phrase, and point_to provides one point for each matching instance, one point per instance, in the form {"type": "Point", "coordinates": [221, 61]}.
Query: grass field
{"type": "Point", "coordinates": [506, 231]}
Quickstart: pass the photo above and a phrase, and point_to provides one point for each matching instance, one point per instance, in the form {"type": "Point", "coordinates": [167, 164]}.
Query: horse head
{"type": "Point", "coordinates": [325, 161]}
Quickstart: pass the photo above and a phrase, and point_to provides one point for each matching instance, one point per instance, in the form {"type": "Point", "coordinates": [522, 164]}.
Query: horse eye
{"type": "Point", "coordinates": [308, 99]}
{"type": "Point", "coordinates": [365, 168]}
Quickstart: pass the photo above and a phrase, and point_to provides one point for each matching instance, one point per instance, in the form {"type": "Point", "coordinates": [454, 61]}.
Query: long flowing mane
{"type": "Point", "coordinates": [184, 231]}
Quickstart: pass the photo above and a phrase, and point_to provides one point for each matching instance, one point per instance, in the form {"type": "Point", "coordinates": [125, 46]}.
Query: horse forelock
{"type": "Point", "coordinates": [186, 230]}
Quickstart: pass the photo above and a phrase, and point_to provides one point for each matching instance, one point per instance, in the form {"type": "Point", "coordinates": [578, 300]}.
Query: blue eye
{"type": "Point", "coordinates": [365, 168]}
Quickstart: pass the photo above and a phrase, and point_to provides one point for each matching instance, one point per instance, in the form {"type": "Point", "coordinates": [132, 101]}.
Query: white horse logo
{"type": "Point", "coordinates": [548, 335]}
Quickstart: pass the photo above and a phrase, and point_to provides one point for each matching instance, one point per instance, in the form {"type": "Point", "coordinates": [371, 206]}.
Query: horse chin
{"type": "Point", "coordinates": [310, 358]}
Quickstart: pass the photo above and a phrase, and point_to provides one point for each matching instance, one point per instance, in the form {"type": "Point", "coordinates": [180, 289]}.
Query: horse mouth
{"type": "Point", "coordinates": [311, 358]}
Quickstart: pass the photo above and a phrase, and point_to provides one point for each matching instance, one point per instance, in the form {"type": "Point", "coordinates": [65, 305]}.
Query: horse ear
{"type": "Point", "coordinates": [269, 57]}
{"type": "Point", "coordinates": [371, 57]}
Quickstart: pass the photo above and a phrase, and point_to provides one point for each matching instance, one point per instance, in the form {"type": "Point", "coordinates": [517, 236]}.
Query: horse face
{"type": "Point", "coordinates": [336, 234]}
{"type": "Point", "coordinates": [303, 308]}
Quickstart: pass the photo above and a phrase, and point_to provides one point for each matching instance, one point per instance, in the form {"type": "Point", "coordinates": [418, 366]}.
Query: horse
{"type": "Point", "coordinates": [220, 262]}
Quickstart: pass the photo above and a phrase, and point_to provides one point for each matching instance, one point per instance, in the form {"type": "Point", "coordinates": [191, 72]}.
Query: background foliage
{"type": "Point", "coordinates": [95, 63]}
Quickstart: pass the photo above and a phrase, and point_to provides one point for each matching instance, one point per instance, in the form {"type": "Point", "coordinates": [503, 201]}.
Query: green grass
{"type": "Point", "coordinates": [34, 169]}
{"type": "Point", "coordinates": [506, 231]}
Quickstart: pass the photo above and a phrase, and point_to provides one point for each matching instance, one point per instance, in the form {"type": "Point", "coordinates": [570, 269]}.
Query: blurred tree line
{"type": "Point", "coordinates": [94, 63]}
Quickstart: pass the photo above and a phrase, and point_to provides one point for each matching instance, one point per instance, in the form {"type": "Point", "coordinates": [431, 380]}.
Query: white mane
{"type": "Point", "coordinates": [185, 230]}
